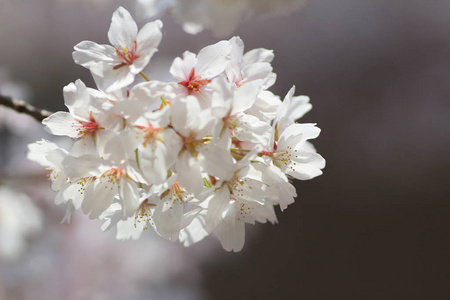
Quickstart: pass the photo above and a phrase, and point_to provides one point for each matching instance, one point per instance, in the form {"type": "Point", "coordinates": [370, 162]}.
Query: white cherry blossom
{"type": "Point", "coordinates": [114, 67]}
{"type": "Point", "coordinates": [294, 155]}
{"type": "Point", "coordinates": [87, 117]}
{"type": "Point", "coordinates": [229, 104]}
{"type": "Point", "coordinates": [194, 72]}
{"type": "Point", "coordinates": [203, 155]}
{"type": "Point", "coordinates": [103, 181]}
{"type": "Point", "coordinates": [291, 109]}
{"type": "Point", "coordinates": [238, 201]}
{"type": "Point", "coordinates": [253, 65]}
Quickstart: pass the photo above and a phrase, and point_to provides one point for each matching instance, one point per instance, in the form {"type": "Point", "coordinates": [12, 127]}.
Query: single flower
{"type": "Point", "coordinates": [114, 67]}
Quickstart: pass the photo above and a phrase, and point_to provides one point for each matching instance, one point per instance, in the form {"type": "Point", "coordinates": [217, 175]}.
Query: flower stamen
{"type": "Point", "coordinates": [194, 83]}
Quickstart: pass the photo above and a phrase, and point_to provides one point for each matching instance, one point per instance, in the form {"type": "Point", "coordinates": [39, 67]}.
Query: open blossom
{"type": "Point", "coordinates": [202, 155]}
{"type": "Point", "coordinates": [194, 72]}
{"type": "Point", "coordinates": [239, 200]}
{"type": "Point", "coordinates": [253, 65]}
{"type": "Point", "coordinates": [293, 154]}
{"type": "Point", "coordinates": [114, 67]}
{"type": "Point", "coordinates": [86, 119]}
{"type": "Point", "coordinates": [229, 106]}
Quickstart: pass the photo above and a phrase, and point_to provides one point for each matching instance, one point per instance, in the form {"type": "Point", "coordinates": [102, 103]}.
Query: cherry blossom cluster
{"type": "Point", "coordinates": [202, 155]}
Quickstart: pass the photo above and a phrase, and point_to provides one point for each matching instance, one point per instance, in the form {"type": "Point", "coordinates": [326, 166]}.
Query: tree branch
{"type": "Point", "coordinates": [21, 106]}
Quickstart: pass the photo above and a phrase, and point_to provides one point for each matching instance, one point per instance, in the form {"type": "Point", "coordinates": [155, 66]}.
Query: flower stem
{"type": "Point", "coordinates": [144, 76]}
{"type": "Point", "coordinates": [137, 162]}
{"type": "Point", "coordinates": [137, 158]}
{"type": "Point", "coordinates": [238, 149]}
{"type": "Point", "coordinates": [21, 106]}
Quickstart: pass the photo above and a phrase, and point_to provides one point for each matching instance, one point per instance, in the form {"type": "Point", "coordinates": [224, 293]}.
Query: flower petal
{"type": "Point", "coordinates": [123, 30]}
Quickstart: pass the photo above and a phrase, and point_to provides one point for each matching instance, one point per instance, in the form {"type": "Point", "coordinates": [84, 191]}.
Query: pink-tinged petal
{"type": "Point", "coordinates": [311, 158]}
{"type": "Point", "coordinates": [250, 128]}
{"type": "Point", "coordinates": [89, 55]}
{"type": "Point", "coordinates": [83, 166]}
{"type": "Point", "coordinates": [139, 64]}
{"type": "Point", "coordinates": [308, 170]}
{"type": "Point", "coordinates": [258, 55]}
{"type": "Point", "coordinates": [132, 170]}
{"type": "Point", "coordinates": [218, 162]}
{"type": "Point", "coordinates": [270, 80]}
{"type": "Point", "coordinates": [275, 178]}
{"type": "Point", "coordinates": [69, 211]}
{"type": "Point", "coordinates": [255, 191]}
{"type": "Point", "coordinates": [258, 71]}
{"type": "Point", "coordinates": [295, 159]}
{"type": "Point", "coordinates": [217, 205]}
{"type": "Point", "coordinates": [310, 131]}
{"type": "Point", "coordinates": [102, 138]}
{"type": "Point", "coordinates": [56, 156]}
{"type": "Point", "coordinates": [129, 196]}
{"type": "Point", "coordinates": [204, 96]}
{"type": "Point", "coordinates": [212, 60]}
{"type": "Point", "coordinates": [292, 107]}
{"type": "Point", "coordinates": [283, 110]}
{"type": "Point", "coordinates": [148, 40]}
{"type": "Point", "coordinates": [245, 96]}
{"type": "Point", "coordinates": [123, 30]}
{"type": "Point", "coordinates": [195, 231]}
{"type": "Point", "coordinates": [77, 98]}
{"type": "Point", "coordinates": [129, 229]}
{"type": "Point", "coordinates": [100, 197]}
{"type": "Point", "coordinates": [173, 144]}
{"type": "Point", "coordinates": [58, 182]}
{"type": "Point", "coordinates": [234, 67]}
{"type": "Point", "coordinates": [189, 217]}
{"type": "Point", "coordinates": [89, 201]}
{"type": "Point", "coordinates": [223, 93]}
{"type": "Point", "coordinates": [299, 107]}
{"type": "Point", "coordinates": [59, 198]}
{"type": "Point", "coordinates": [115, 146]}
{"type": "Point", "coordinates": [144, 97]}
{"type": "Point", "coordinates": [39, 150]}
{"type": "Point", "coordinates": [296, 133]}
{"type": "Point", "coordinates": [249, 157]}
{"type": "Point", "coordinates": [187, 116]}
{"type": "Point", "coordinates": [181, 68]}
{"type": "Point", "coordinates": [189, 172]}
{"type": "Point", "coordinates": [180, 117]}
{"type": "Point", "coordinates": [62, 123]}
{"type": "Point", "coordinates": [112, 215]}
{"type": "Point", "coordinates": [168, 218]}
{"type": "Point", "coordinates": [73, 193]}
{"type": "Point", "coordinates": [232, 238]}
{"type": "Point", "coordinates": [262, 214]}
{"type": "Point", "coordinates": [114, 80]}
{"type": "Point", "coordinates": [154, 168]}
{"type": "Point", "coordinates": [147, 93]}
{"type": "Point", "coordinates": [265, 106]}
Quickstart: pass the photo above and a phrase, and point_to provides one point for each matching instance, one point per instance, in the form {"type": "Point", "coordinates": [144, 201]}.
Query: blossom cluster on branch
{"type": "Point", "coordinates": [202, 155]}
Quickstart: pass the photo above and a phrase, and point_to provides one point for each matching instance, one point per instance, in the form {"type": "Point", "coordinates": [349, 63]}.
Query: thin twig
{"type": "Point", "coordinates": [23, 107]}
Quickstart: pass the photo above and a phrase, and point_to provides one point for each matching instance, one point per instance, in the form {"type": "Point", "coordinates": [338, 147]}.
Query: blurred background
{"type": "Point", "coordinates": [375, 225]}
